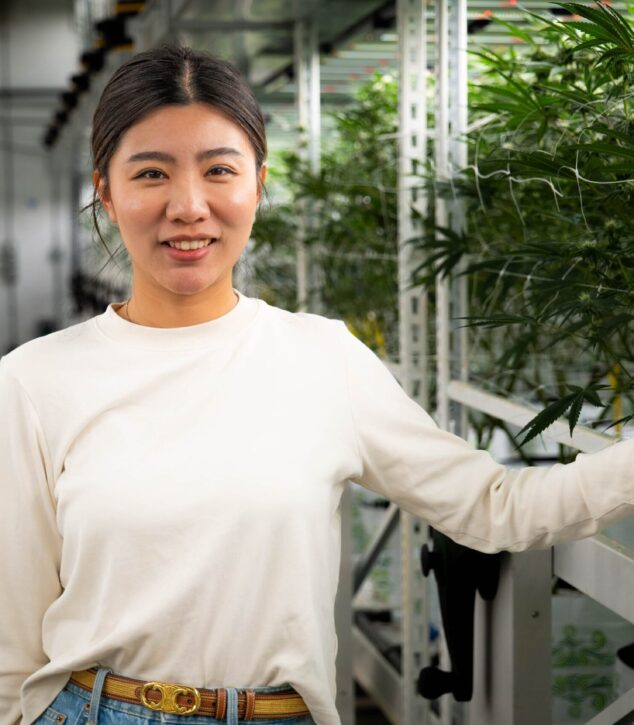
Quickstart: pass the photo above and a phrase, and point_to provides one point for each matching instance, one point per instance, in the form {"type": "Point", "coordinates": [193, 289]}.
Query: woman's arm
{"type": "Point", "coordinates": [463, 492]}
{"type": "Point", "coordinates": [29, 542]}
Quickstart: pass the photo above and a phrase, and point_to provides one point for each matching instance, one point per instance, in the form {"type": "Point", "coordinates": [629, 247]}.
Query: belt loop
{"type": "Point", "coordinates": [250, 704]}
{"type": "Point", "coordinates": [232, 706]}
{"type": "Point", "coordinates": [221, 703]}
{"type": "Point", "coordinates": [93, 714]}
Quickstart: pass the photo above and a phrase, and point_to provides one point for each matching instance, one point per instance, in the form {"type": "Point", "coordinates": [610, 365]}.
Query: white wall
{"type": "Point", "coordinates": [43, 52]}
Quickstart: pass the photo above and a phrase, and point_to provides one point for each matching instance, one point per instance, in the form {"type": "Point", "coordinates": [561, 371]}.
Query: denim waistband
{"type": "Point", "coordinates": [73, 702]}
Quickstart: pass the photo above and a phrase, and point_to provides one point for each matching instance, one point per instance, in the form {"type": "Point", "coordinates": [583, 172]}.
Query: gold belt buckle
{"type": "Point", "coordinates": [169, 693]}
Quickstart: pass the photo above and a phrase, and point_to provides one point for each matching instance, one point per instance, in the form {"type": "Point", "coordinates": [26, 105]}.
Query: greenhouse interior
{"type": "Point", "coordinates": [454, 181]}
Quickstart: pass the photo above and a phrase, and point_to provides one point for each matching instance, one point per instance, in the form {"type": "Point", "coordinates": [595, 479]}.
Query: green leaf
{"type": "Point", "coordinates": [496, 320]}
{"type": "Point", "coordinates": [591, 396]}
{"type": "Point", "coordinates": [601, 19]}
{"type": "Point", "coordinates": [555, 410]}
{"type": "Point", "coordinates": [515, 31]}
{"type": "Point", "coordinates": [621, 421]}
{"type": "Point", "coordinates": [575, 411]}
{"type": "Point", "coordinates": [546, 418]}
{"type": "Point", "coordinates": [604, 148]}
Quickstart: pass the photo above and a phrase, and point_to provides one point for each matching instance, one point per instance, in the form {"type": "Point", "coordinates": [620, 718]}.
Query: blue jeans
{"type": "Point", "coordinates": [74, 706]}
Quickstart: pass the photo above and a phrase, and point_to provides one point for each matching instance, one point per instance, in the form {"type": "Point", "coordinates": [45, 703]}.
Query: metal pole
{"type": "Point", "coordinates": [443, 356]}
{"type": "Point", "coordinates": [412, 335]}
{"type": "Point", "coordinates": [459, 100]}
{"type": "Point", "coordinates": [313, 96]}
{"type": "Point", "coordinates": [302, 119]}
{"type": "Point", "coordinates": [443, 314]}
{"type": "Point", "coordinates": [459, 160]}
{"type": "Point", "coordinates": [307, 79]}
{"type": "Point", "coordinates": [512, 678]}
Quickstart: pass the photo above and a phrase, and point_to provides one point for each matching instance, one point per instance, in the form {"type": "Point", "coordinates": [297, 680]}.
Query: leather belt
{"type": "Point", "coordinates": [185, 700]}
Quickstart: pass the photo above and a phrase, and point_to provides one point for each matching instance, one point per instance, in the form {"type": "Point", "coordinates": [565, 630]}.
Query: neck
{"type": "Point", "coordinates": [178, 310]}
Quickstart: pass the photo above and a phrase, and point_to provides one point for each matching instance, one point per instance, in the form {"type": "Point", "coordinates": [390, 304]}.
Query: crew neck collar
{"type": "Point", "coordinates": [212, 333]}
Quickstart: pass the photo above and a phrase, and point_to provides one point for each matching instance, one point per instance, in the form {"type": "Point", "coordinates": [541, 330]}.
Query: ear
{"type": "Point", "coordinates": [104, 195]}
{"type": "Point", "coordinates": [261, 180]}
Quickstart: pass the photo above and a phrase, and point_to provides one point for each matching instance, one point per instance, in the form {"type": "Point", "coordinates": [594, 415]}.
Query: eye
{"type": "Point", "coordinates": [150, 174]}
{"type": "Point", "coordinates": [220, 171]}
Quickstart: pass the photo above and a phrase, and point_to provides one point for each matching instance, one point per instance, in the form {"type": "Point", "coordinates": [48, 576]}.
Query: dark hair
{"type": "Point", "coordinates": [176, 76]}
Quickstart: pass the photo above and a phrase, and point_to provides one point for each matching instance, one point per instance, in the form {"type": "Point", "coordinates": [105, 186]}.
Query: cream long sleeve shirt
{"type": "Point", "coordinates": [170, 499]}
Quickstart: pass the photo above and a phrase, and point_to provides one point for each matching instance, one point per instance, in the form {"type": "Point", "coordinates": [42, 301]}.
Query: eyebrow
{"type": "Point", "coordinates": [169, 159]}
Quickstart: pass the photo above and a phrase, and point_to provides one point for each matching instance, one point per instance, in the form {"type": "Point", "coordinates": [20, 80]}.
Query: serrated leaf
{"type": "Point", "coordinates": [601, 19]}
{"type": "Point", "coordinates": [591, 394]}
{"type": "Point", "coordinates": [546, 417]}
{"type": "Point", "coordinates": [575, 411]}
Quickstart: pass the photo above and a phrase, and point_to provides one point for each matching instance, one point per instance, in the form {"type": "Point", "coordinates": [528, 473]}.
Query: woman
{"type": "Point", "coordinates": [171, 469]}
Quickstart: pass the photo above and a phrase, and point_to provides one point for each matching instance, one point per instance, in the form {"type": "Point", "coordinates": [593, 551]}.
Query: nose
{"type": "Point", "coordinates": [187, 202]}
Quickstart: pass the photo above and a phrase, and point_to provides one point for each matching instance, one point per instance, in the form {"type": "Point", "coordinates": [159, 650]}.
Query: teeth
{"type": "Point", "coordinates": [190, 245]}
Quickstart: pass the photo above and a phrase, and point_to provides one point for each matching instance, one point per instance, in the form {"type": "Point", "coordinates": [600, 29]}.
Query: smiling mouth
{"type": "Point", "coordinates": [186, 246]}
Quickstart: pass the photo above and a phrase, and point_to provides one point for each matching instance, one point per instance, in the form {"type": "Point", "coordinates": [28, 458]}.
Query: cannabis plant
{"type": "Point", "coordinates": [549, 193]}
{"type": "Point", "coordinates": [352, 235]}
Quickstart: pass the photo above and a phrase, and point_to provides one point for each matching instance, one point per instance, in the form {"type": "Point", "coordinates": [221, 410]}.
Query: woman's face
{"type": "Point", "coordinates": [182, 173]}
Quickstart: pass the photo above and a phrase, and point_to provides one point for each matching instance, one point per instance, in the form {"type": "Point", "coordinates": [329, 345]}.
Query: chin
{"type": "Point", "coordinates": [189, 286]}
{"type": "Point", "coordinates": [189, 291]}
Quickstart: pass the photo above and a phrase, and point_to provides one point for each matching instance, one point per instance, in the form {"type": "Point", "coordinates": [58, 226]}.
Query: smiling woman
{"type": "Point", "coordinates": [179, 166]}
{"type": "Point", "coordinates": [183, 186]}
{"type": "Point", "coordinates": [172, 469]}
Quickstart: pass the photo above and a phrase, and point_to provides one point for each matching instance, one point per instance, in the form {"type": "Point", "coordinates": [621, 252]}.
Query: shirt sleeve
{"type": "Point", "coordinates": [463, 492]}
{"type": "Point", "coordinates": [29, 542]}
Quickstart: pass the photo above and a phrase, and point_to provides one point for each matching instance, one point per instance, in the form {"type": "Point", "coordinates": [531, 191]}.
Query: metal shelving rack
{"type": "Point", "coordinates": [512, 659]}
